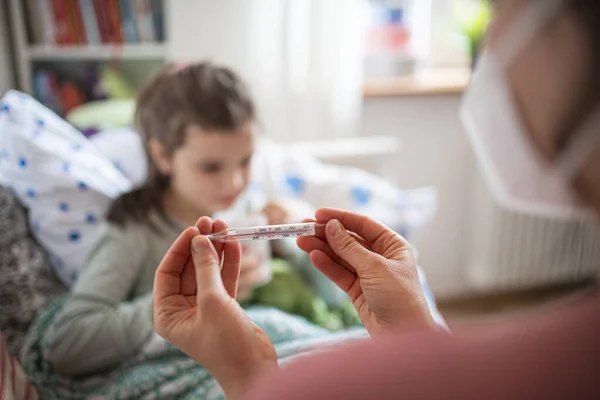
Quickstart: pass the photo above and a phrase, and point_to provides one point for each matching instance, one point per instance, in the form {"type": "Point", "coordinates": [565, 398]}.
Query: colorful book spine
{"type": "Point", "coordinates": [74, 34]}
{"type": "Point", "coordinates": [54, 99]}
{"type": "Point", "coordinates": [35, 24]}
{"type": "Point", "coordinates": [80, 27]}
{"type": "Point", "coordinates": [128, 21]}
{"type": "Point", "coordinates": [114, 18]}
{"type": "Point", "coordinates": [70, 96]}
{"type": "Point", "coordinates": [38, 86]}
{"type": "Point", "coordinates": [45, 89]}
{"type": "Point", "coordinates": [61, 22]}
{"type": "Point", "coordinates": [46, 14]}
{"type": "Point", "coordinates": [89, 22]}
{"type": "Point", "coordinates": [157, 19]}
{"type": "Point", "coordinates": [79, 22]}
{"type": "Point", "coordinates": [143, 19]}
{"type": "Point", "coordinates": [102, 20]}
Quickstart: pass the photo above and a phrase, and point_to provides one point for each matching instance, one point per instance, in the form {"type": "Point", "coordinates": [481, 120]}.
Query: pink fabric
{"type": "Point", "coordinates": [551, 356]}
{"type": "Point", "coordinates": [13, 381]}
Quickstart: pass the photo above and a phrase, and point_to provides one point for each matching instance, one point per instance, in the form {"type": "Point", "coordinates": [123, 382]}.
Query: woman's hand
{"type": "Point", "coordinates": [374, 266]}
{"type": "Point", "coordinates": [254, 272]}
{"type": "Point", "coordinates": [195, 309]}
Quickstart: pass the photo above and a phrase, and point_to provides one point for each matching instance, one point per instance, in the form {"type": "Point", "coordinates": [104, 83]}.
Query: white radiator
{"type": "Point", "coordinates": [511, 251]}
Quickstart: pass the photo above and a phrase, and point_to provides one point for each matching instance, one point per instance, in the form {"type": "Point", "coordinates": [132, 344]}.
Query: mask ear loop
{"type": "Point", "coordinates": [524, 28]}
{"type": "Point", "coordinates": [586, 141]}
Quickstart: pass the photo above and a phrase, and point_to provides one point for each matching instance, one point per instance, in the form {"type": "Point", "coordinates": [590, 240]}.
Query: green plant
{"type": "Point", "coordinates": [472, 18]}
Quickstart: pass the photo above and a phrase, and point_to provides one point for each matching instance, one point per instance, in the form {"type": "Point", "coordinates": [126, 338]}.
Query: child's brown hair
{"type": "Point", "coordinates": [203, 94]}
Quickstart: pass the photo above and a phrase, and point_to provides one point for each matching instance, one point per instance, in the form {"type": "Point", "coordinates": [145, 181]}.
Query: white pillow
{"type": "Point", "coordinates": [60, 176]}
{"type": "Point", "coordinates": [124, 147]}
{"type": "Point", "coordinates": [280, 170]}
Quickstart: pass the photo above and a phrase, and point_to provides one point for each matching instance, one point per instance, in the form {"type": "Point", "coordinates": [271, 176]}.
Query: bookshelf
{"type": "Point", "coordinates": [142, 51]}
{"type": "Point", "coordinates": [142, 56]}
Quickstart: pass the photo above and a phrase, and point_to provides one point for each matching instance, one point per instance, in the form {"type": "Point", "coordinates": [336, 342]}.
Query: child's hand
{"type": "Point", "coordinates": [287, 211]}
{"type": "Point", "coordinates": [276, 213]}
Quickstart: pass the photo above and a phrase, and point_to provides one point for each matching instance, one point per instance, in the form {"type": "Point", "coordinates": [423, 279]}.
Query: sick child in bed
{"type": "Point", "coordinates": [198, 123]}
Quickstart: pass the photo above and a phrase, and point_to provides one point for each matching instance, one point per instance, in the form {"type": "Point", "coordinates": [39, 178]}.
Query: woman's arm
{"type": "Point", "coordinates": [551, 356]}
{"type": "Point", "coordinates": [98, 326]}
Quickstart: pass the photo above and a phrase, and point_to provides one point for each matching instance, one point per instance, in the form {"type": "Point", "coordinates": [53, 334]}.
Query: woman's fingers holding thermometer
{"type": "Point", "coordinates": [230, 270]}
{"type": "Point", "coordinates": [311, 243]}
{"type": "Point", "coordinates": [207, 267]}
{"type": "Point", "coordinates": [169, 277]}
{"type": "Point", "coordinates": [204, 226]}
{"type": "Point", "coordinates": [368, 232]}
{"type": "Point", "coordinates": [188, 274]}
{"type": "Point", "coordinates": [334, 270]}
{"type": "Point", "coordinates": [229, 254]}
{"type": "Point", "coordinates": [365, 227]}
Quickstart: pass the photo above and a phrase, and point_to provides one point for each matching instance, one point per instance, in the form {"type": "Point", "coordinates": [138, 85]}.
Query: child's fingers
{"type": "Point", "coordinates": [230, 272]}
{"type": "Point", "coordinates": [167, 280]}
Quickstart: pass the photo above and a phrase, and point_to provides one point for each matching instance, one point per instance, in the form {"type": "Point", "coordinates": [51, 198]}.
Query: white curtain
{"type": "Point", "coordinates": [302, 58]}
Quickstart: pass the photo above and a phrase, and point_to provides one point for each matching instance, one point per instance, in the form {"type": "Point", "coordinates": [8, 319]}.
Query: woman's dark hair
{"type": "Point", "coordinates": [203, 94]}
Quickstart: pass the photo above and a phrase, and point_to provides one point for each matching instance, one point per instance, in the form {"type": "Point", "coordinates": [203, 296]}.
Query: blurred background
{"type": "Point", "coordinates": [383, 79]}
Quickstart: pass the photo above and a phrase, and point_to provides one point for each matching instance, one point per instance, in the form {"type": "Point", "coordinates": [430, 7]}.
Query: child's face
{"type": "Point", "coordinates": [212, 168]}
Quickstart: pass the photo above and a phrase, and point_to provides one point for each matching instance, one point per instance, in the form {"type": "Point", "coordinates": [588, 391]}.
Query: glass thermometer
{"type": "Point", "coordinates": [268, 232]}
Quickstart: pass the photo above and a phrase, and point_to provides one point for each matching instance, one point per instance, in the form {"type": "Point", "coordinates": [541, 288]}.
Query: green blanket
{"type": "Point", "coordinates": [161, 371]}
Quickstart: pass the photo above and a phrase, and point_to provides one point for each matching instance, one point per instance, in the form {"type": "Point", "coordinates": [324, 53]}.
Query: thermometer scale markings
{"type": "Point", "coordinates": [266, 232]}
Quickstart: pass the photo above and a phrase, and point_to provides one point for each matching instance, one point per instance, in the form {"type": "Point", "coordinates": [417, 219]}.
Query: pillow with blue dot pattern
{"type": "Point", "coordinates": [281, 170]}
{"type": "Point", "coordinates": [63, 180]}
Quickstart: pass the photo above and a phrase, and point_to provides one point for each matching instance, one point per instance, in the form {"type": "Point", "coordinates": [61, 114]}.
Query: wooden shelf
{"type": "Point", "coordinates": [339, 149]}
{"type": "Point", "coordinates": [142, 51]}
{"type": "Point", "coordinates": [428, 82]}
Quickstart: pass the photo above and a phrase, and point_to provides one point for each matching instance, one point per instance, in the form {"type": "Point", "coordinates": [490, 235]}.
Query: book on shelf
{"type": "Point", "coordinates": [76, 30]}
{"type": "Point", "coordinates": [128, 17]}
{"type": "Point", "coordinates": [94, 22]}
{"type": "Point", "coordinates": [62, 92]}
{"type": "Point", "coordinates": [89, 22]}
{"type": "Point", "coordinates": [46, 90]}
{"type": "Point", "coordinates": [61, 22]}
{"type": "Point", "coordinates": [143, 18]}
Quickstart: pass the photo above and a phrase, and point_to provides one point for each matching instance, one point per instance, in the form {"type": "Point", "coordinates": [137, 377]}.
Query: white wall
{"type": "Point", "coordinates": [6, 68]}
{"type": "Point", "coordinates": [302, 60]}
{"type": "Point", "coordinates": [434, 152]}
{"type": "Point", "coordinates": [447, 46]}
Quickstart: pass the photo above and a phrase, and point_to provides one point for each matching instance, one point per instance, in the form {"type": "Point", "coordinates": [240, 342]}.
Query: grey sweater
{"type": "Point", "coordinates": [108, 315]}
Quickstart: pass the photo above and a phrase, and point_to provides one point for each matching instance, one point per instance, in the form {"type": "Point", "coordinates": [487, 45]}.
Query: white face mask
{"type": "Point", "coordinates": [519, 176]}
